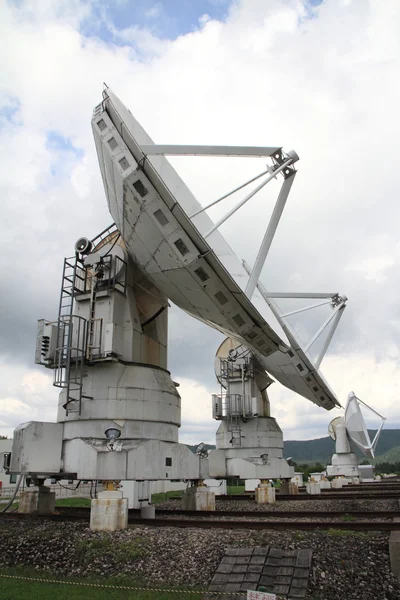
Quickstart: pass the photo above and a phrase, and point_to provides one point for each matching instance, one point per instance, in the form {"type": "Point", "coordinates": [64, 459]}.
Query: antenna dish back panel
{"type": "Point", "coordinates": [151, 207]}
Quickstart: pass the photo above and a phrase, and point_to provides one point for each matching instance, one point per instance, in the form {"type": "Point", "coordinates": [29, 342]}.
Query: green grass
{"type": "Point", "coordinates": [13, 589]}
{"type": "Point", "coordinates": [347, 517]}
{"type": "Point", "coordinates": [235, 489]}
{"type": "Point", "coordinates": [163, 496]}
{"type": "Point", "coordinates": [349, 533]}
{"type": "Point", "coordinates": [73, 502]}
{"type": "Point", "coordinates": [90, 549]}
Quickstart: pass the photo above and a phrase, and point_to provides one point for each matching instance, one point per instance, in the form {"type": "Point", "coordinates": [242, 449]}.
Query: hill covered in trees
{"type": "Point", "coordinates": [320, 450]}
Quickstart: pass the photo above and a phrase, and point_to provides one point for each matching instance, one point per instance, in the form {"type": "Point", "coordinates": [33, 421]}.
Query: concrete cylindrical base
{"type": "Point", "coordinates": [293, 489]}
{"type": "Point", "coordinates": [265, 494]}
{"type": "Point", "coordinates": [325, 484]}
{"type": "Point", "coordinates": [109, 512]}
{"type": "Point", "coordinates": [198, 498]}
{"type": "Point", "coordinates": [148, 511]}
{"type": "Point", "coordinates": [337, 484]}
{"type": "Point", "coordinates": [41, 501]}
{"type": "Point", "coordinates": [313, 488]}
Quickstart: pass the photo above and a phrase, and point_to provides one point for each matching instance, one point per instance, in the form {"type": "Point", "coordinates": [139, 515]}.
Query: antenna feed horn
{"type": "Point", "coordinates": [83, 246]}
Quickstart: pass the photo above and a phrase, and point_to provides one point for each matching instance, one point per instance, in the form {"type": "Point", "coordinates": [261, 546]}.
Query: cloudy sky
{"type": "Point", "coordinates": [319, 77]}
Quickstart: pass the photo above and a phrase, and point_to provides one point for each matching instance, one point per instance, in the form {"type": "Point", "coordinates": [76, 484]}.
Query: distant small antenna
{"type": "Point", "coordinates": [332, 427]}
{"type": "Point", "coordinates": [356, 426]}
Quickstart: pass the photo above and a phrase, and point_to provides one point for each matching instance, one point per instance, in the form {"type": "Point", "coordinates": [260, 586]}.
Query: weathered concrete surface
{"type": "Point", "coordinates": [198, 498]}
{"type": "Point", "coordinates": [109, 512]}
{"type": "Point", "coordinates": [41, 501]}
{"type": "Point", "coordinates": [265, 494]}
{"type": "Point", "coordinates": [313, 488]}
{"type": "Point", "coordinates": [337, 484]}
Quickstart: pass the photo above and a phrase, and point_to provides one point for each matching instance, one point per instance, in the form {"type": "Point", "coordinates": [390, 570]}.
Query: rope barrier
{"type": "Point", "coordinates": [123, 587]}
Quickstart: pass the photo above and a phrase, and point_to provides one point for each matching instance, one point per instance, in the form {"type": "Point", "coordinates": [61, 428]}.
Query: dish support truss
{"type": "Point", "coordinates": [283, 164]}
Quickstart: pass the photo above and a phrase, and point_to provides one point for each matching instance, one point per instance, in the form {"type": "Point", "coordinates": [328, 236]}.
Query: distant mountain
{"type": "Point", "coordinates": [321, 449]}
{"type": "Point", "coordinates": [391, 456]}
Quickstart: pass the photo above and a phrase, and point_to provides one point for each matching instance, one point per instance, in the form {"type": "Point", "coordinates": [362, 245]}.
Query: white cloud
{"type": "Point", "coordinates": [327, 86]}
{"type": "Point", "coordinates": [25, 395]}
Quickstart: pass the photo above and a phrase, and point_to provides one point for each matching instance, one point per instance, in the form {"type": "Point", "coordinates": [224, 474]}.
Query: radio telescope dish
{"type": "Point", "coordinates": [356, 427]}
{"type": "Point", "coordinates": [174, 242]}
{"type": "Point", "coordinates": [332, 427]}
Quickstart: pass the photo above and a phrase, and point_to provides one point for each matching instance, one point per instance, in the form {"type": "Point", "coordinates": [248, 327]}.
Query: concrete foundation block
{"type": "Point", "coordinates": [337, 484]}
{"type": "Point", "coordinates": [313, 488]}
{"type": "Point", "coordinates": [41, 501]}
{"type": "Point", "coordinates": [265, 494]}
{"type": "Point", "coordinates": [198, 498]}
{"type": "Point", "coordinates": [293, 489]}
{"type": "Point", "coordinates": [325, 484]}
{"type": "Point", "coordinates": [109, 512]}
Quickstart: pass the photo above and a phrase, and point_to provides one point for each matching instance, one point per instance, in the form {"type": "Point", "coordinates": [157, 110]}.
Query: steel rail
{"type": "Point", "coordinates": [299, 497]}
{"type": "Point", "coordinates": [260, 514]}
{"type": "Point", "coordinates": [221, 524]}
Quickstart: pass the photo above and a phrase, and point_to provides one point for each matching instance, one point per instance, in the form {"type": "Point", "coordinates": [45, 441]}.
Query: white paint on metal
{"type": "Point", "coordinates": [356, 426]}
{"type": "Point", "coordinates": [171, 253]}
{"type": "Point", "coordinates": [186, 150]}
{"type": "Point", "coordinates": [270, 232]}
{"type": "Point", "coordinates": [274, 218]}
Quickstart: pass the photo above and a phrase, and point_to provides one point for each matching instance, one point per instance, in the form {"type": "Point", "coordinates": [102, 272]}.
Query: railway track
{"type": "Point", "coordinates": [248, 520]}
{"type": "Point", "coordinates": [382, 495]}
{"type": "Point", "coordinates": [259, 514]}
{"type": "Point", "coordinates": [204, 523]}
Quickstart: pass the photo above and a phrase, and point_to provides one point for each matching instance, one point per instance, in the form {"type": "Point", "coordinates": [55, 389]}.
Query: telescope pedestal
{"type": "Point", "coordinates": [257, 455]}
{"type": "Point", "coordinates": [345, 464]}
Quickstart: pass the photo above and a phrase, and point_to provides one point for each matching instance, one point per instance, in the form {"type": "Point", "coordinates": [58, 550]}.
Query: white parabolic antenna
{"type": "Point", "coordinates": [332, 427]}
{"type": "Point", "coordinates": [356, 426]}
{"type": "Point", "coordinates": [175, 243]}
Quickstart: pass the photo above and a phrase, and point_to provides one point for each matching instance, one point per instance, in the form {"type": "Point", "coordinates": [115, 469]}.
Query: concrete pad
{"type": "Point", "coordinates": [265, 494]}
{"type": "Point", "coordinates": [198, 498]}
{"type": "Point", "coordinates": [313, 488]}
{"type": "Point", "coordinates": [109, 512]}
{"type": "Point", "coordinates": [41, 501]}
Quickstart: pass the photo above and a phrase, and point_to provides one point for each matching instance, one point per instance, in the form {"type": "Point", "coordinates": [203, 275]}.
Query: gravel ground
{"type": "Point", "coordinates": [346, 565]}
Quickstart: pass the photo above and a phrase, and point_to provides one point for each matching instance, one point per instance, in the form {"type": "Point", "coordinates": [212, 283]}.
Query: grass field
{"type": "Point", "coordinates": [73, 502]}
{"type": "Point", "coordinates": [15, 589]}
{"type": "Point", "coordinates": [235, 489]}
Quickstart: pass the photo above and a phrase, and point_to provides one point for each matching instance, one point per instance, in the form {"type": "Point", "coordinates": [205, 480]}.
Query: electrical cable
{"type": "Point", "coordinates": [68, 488]}
{"type": "Point", "coordinates": [20, 478]}
{"type": "Point", "coordinates": [113, 244]}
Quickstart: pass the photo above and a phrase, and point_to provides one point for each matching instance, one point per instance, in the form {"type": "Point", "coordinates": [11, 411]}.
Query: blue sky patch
{"type": "Point", "coordinates": [10, 112]}
{"type": "Point", "coordinates": [166, 19]}
{"type": "Point", "coordinates": [61, 147]}
{"type": "Point", "coordinates": [55, 141]}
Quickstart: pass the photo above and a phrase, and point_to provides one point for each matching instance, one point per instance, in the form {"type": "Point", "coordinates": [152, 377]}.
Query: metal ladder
{"type": "Point", "coordinates": [91, 323]}
{"type": "Point", "coordinates": [71, 336]}
{"type": "Point", "coordinates": [236, 430]}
